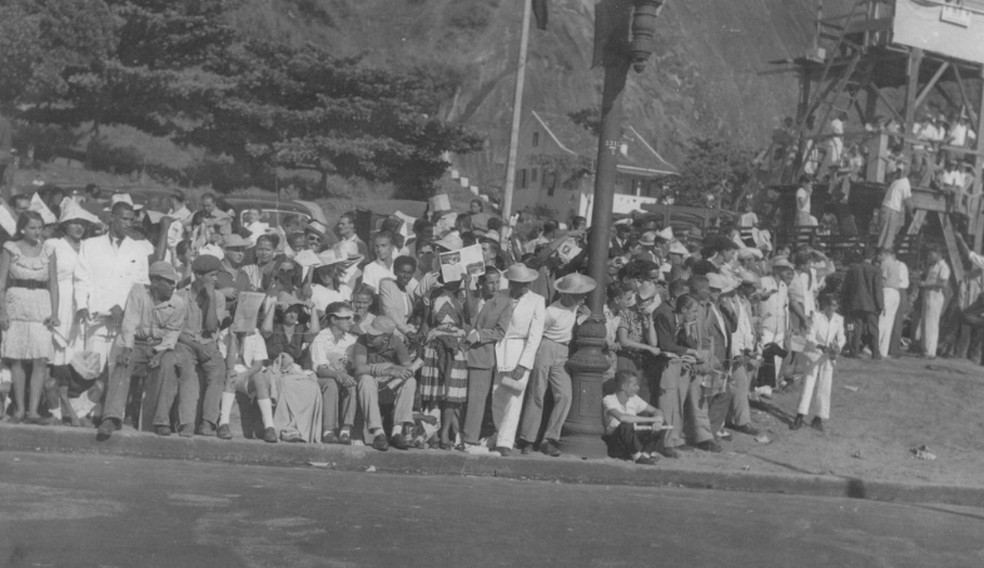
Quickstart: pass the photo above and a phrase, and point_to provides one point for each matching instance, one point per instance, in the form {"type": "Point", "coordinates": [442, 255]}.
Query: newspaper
{"type": "Point", "coordinates": [247, 311]}
{"type": "Point", "coordinates": [456, 264]}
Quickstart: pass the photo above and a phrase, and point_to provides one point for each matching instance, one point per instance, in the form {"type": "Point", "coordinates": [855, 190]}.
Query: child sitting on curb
{"type": "Point", "coordinates": [632, 425]}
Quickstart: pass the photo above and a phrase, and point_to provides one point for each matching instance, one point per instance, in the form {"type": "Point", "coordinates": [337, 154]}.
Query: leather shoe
{"type": "Point", "coordinates": [205, 429]}
{"type": "Point", "coordinates": [162, 430]}
{"type": "Point", "coordinates": [670, 453]}
{"type": "Point", "coordinates": [329, 438]}
{"type": "Point", "coordinates": [270, 435]}
{"type": "Point", "coordinates": [797, 423]}
{"type": "Point", "coordinates": [223, 433]}
{"type": "Point", "coordinates": [380, 443]}
{"type": "Point", "coordinates": [186, 430]}
{"type": "Point", "coordinates": [503, 451]}
{"type": "Point", "coordinates": [549, 447]}
{"type": "Point", "coordinates": [709, 446]}
{"type": "Point", "coordinates": [344, 438]}
{"type": "Point", "coordinates": [817, 424]}
{"type": "Point", "coordinates": [399, 442]}
{"type": "Point", "coordinates": [106, 429]}
{"type": "Point", "coordinates": [647, 460]}
{"type": "Point", "coordinates": [746, 429]}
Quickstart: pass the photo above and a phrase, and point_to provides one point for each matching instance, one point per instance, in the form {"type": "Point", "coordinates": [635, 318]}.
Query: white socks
{"type": "Point", "coordinates": [225, 407]}
{"type": "Point", "coordinates": [266, 409]}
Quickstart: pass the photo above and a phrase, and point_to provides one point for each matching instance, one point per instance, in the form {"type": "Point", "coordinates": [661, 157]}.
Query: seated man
{"type": "Point", "coordinates": [152, 322]}
{"type": "Point", "coordinates": [382, 362]}
{"type": "Point", "coordinates": [331, 352]}
{"type": "Point", "coordinates": [632, 425]}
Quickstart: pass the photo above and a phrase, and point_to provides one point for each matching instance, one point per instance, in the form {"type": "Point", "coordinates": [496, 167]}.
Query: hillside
{"type": "Point", "coordinates": [705, 79]}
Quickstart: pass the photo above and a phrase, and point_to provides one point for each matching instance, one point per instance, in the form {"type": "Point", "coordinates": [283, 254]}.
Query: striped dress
{"type": "Point", "coordinates": [444, 376]}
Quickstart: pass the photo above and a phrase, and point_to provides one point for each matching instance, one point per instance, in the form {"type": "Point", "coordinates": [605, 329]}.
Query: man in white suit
{"type": "Point", "coordinates": [108, 267]}
{"type": "Point", "coordinates": [824, 341]}
{"type": "Point", "coordinates": [515, 355]}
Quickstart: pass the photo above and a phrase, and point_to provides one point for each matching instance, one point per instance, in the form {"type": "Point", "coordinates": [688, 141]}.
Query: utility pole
{"type": "Point", "coordinates": [589, 363]}
{"type": "Point", "coordinates": [517, 116]}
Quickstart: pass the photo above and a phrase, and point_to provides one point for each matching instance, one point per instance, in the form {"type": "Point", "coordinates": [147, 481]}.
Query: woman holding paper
{"type": "Point", "coordinates": [444, 377]}
{"type": "Point", "coordinates": [28, 311]}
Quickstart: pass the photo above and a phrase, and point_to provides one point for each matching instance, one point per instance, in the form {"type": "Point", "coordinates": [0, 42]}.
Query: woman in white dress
{"type": "Point", "coordinates": [28, 312]}
{"type": "Point", "coordinates": [68, 337]}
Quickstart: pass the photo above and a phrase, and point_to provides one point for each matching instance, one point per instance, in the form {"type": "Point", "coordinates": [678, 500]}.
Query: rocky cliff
{"type": "Point", "coordinates": [709, 76]}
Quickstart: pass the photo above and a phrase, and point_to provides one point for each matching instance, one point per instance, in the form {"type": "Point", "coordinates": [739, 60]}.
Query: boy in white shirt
{"type": "Point", "coordinates": [632, 425]}
{"type": "Point", "coordinates": [824, 341]}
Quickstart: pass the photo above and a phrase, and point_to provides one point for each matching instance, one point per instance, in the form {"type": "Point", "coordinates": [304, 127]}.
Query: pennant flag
{"type": "Point", "coordinates": [540, 13]}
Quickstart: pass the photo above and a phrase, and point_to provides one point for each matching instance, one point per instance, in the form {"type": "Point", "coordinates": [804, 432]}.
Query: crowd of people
{"type": "Point", "coordinates": [168, 321]}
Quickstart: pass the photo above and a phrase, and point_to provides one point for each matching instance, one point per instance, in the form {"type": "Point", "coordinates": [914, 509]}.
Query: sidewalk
{"type": "Point", "coordinates": [881, 410]}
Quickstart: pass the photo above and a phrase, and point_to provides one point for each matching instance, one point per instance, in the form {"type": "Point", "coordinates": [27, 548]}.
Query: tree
{"type": "Point", "coordinates": [715, 172]}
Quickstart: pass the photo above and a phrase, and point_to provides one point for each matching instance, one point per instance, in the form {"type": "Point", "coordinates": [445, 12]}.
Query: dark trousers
{"type": "Point", "coordinates": [479, 388]}
{"type": "Point", "coordinates": [865, 332]}
{"type": "Point", "coordinates": [208, 358]}
{"type": "Point", "coordinates": [625, 441]}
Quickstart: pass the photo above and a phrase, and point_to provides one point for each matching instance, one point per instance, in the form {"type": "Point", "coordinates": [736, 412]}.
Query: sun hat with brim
{"type": "Point", "coordinates": [646, 290]}
{"type": "Point", "coordinates": [575, 284]}
{"type": "Point", "coordinates": [666, 234]}
{"type": "Point", "coordinates": [124, 198]}
{"type": "Point", "coordinates": [165, 270]}
{"type": "Point", "coordinates": [521, 273]}
{"type": "Point", "coordinates": [782, 262]}
{"type": "Point", "coordinates": [450, 241]}
{"type": "Point", "coordinates": [490, 236]}
{"type": "Point", "coordinates": [381, 325]}
{"type": "Point", "coordinates": [749, 277]}
{"type": "Point", "coordinates": [750, 252]}
{"type": "Point", "coordinates": [677, 247]}
{"type": "Point", "coordinates": [72, 211]}
{"type": "Point", "coordinates": [316, 227]}
{"type": "Point", "coordinates": [330, 257]}
{"type": "Point", "coordinates": [234, 240]}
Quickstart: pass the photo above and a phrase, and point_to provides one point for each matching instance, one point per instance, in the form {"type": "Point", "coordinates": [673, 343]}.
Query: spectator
{"type": "Point", "coordinates": [825, 338]}
{"type": "Point", "coordinates": [632, 426]}
{"type": "Point", "coordinates": [382, 362]}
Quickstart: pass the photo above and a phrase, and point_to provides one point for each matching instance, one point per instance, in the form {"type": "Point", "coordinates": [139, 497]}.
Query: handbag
{"type": "Point", "coordinates": [88, 364]}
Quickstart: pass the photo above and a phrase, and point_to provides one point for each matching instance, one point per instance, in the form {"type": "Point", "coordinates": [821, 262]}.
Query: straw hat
{"type": "Point", "coordinates": [782, 262]}
{"type": "Point", "coordinates": [450, 241]}
{"type": "Point", "coordinates": [72, 211]}
{"type": "Point", "coordinates": [666, 234]}
{"type": "Point", "coordinates": [519, 272]}
{"type": "Point", "coordinates": [381, 325]}
{"type": "Point", "coordinates": [676, 247]}
{"type": "Point", "coordinates": [648, 239]}
{"type": "Point", "coordinates": [575, 284]}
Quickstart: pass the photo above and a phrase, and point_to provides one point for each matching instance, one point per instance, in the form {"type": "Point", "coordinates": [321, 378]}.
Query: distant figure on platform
{"type": "Point", "coordinates": [893, 208]}
{"type": "Point", "coordinates": [803, 196]}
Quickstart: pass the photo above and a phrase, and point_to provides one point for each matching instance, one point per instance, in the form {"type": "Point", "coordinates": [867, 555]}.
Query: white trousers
{"type": "Point", "coordinates": [932, 309]}
{"type": "Point", "coordinates": [507, 405]}
{"type": "Point", "coordinates": [886, 321]}
{"type": "Point", "coordinates": [100, 337]}
{"type": "Point", "coordinates": [819, 377]}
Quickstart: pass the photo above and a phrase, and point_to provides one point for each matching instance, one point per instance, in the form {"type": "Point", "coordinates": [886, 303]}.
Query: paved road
{"type": "Point", "coordinates": [83, 511]}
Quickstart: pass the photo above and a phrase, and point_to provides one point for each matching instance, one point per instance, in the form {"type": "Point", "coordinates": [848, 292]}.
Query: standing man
{"type": "Point", "coordinates": [774, 313]}
{"type": "Point", "coordinates": [804, 194]}
{"type": "Point", "coordinates": [744, 348]}
{"type": "Point", "coordinates": [933, 287]}
{"type": "Point", "coordinates": [862, 301]}
{"type": "Point", "coordinates": [199, 340]}
{"type": "Point", "coordinates": [893, 208]}
{"type": "Point", "coordinates": [108, 267]}
{"type": "Point", "coordinates": [515, 354]}
{"type": "Point", "coordinates": [895, 282]}
{"type": "Point", "coordinates": [489, 314]}
{"type": "Point", "coordinates": [151, 325]}
{"type": "Point", "coordinates": [396, 295]}
{"type": "Point", "coordinates": [550, 366]}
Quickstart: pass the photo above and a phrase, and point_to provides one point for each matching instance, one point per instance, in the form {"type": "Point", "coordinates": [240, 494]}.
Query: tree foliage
{"type": "Point", "coordinates": [715, 172]}
{"type": "Point", "coordinates": [176, 68]}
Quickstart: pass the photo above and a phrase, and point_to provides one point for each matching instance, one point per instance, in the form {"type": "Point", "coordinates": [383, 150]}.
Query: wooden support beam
{"type": "Point", "coordinates": [978, 186]}
{"type": "Point", "coordinates": [932, 83]}
{"type": "Point", "coordinates": [895, 113]}
{"type": "Point", "coordinates": [912, 82]}
{"type": "Point", "coordinates": [956, 262]}
{"type": "Point", "coordinates": [963, 96]}
{"type": "Point", "coordinates": [918, 220]}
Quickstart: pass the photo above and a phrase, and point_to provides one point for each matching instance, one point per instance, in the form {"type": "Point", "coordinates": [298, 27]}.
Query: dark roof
{"type": "Point", "coordinates": [583, 142]}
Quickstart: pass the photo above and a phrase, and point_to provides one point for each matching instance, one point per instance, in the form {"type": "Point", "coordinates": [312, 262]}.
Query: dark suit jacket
{"type": "Point", "coordinates": [862, 289]}
{"type": "Point", "coordinates": [490, 323]}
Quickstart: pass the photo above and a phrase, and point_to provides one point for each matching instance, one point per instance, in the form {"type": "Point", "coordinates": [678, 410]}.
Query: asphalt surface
{"type": "Point", "coordinates": [87, 510]}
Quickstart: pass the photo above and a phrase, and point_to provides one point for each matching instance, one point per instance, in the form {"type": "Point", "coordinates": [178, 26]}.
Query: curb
{"type": "Point", "coordinates": [420, 462]}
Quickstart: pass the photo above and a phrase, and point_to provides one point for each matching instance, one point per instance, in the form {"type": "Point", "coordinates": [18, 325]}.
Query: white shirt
{"type": "Point", "coordinates": [559, 323]}
{"type": "Point", "coordinates": [802, 201]}
{"type": "Point", "coordinates": [325, 350]}
{"type": "Point", "coordinates": [254, 351]}
{"type": "Point", "coordinates": [896, 194]}
{"type": "Point", "coordinates": [322, 296]}
{"type": "Point", "coordinates": [774, 310]}
{"type": "Point", "coordinates": [953, 177]}
{"type": "Point", "coordinates": [823, 331]}
{"type": "Point", "coordinates": [374, 272]}
{"type": "Point", "coordinates": [939, 273]}
{"type": "Point", "coordinates": [106, 272]}
{"type": "Point", "coordinates": [610, 404]}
